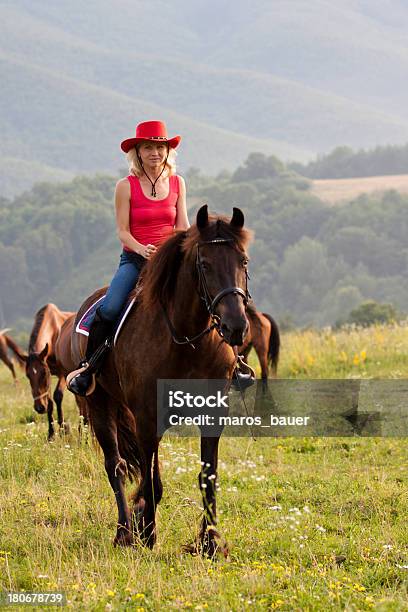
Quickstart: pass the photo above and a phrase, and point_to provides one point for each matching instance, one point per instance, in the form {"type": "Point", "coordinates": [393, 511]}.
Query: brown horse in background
{"type": "Point", "coordinates": [190, 314]}
{"type": "Point", "coordinates": [6, 342]}
{"type": "Point", "coordinates": [65, 364]}
{"type": "Point", "coordinates": [41, 363]}
{"type": "Point", "coordinates": [264, 337]}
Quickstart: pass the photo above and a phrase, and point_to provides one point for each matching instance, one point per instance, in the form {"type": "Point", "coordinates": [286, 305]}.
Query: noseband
{"type": "Point", "coordinates": [210, 303]}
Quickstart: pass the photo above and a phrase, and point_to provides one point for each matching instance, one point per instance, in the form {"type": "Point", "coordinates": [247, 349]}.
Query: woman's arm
{"type": "Point", "coordinates": [122, 206]}
{"type": "Point", "coordinates": [182, 222]}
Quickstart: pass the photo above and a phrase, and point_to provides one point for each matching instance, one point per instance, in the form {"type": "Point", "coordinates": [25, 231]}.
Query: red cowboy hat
{"type": "Point", "coordinates": [150, 130]}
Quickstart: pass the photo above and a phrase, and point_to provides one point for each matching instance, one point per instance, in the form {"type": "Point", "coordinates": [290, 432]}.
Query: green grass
{"type": "Point", "coordinates": [312, 524]}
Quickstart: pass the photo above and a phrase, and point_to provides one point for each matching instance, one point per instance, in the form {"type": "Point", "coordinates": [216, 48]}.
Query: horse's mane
{"type": "Point", "coordinates": [39, 318]}
{"type": "Point", "coordinates": [160, 274]}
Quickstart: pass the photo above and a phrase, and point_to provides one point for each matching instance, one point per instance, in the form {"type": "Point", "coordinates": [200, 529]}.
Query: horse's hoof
{"type": "Point", "coordinates": [213, 545]}
{"type": "Point", "coordinates": [123, 539]}
{"type": "Point", "coordinates": [191, 549]}
{"type": "Point", "coordinates": [65, 429]}
{"type": "Point", "coordinates": [210, 550]}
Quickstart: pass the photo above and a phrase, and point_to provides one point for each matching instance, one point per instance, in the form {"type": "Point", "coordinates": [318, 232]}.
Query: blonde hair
{"type": "Point", "coordinates": [135, 167]}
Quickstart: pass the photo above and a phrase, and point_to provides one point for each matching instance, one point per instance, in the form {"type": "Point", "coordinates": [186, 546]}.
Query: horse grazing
{"type": "Point", "coordinates": [264, 337]}
{"type": "Point", "coordinates": [6, 342]}
{"type": "Point", "coordinates": [41, 363]}
{"type": "Point", "coordinates": [189, 316]}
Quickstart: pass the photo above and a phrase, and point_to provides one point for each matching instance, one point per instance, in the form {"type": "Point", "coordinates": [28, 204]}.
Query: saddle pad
{"type": "Point", "coordinates": [84, 324]}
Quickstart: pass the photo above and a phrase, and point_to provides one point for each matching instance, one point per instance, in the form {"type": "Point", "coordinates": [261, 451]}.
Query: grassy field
{"type": "Point", "coordinates": [336, 191]}
{"type": "Point", "coordinates": [312, 524]}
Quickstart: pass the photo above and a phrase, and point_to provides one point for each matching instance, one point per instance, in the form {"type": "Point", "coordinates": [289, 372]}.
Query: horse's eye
{"type": "Point", "coordinates": [244, 262]}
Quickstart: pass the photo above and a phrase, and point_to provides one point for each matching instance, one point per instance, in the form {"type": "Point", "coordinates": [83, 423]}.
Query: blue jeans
{"type": "Point", "coordinates": [130, 266]}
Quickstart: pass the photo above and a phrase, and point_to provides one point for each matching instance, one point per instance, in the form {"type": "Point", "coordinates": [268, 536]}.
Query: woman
{"type": "Point", "coordinates": [150, 204]}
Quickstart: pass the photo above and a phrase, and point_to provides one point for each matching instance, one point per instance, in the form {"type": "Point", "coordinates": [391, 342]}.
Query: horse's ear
{"type": "Point", "coordinates": [237, 218]}
{"type": "Point", "coordinates": [44, 352]}
{"type": "Point", "coordinates": [202, 217]}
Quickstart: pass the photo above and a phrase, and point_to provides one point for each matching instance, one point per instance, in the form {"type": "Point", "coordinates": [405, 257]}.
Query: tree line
{"type": "Point", "coordinates": [344, 162]}
{"type": "Point", "coordinates": [310, 263]}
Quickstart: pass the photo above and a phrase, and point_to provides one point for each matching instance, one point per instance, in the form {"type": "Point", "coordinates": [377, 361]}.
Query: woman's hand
{"type": "Point", "coordinates": [148, 250]}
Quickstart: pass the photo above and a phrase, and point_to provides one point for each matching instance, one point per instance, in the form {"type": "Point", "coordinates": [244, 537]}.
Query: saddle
{"type": "Point", "coordinates": [84, 324]}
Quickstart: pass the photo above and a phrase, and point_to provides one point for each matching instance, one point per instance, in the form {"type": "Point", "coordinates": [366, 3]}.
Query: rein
{"type": "Point", "coordinates": [210, 303]}
{"type": "Point", "coordinates": [185, 339]}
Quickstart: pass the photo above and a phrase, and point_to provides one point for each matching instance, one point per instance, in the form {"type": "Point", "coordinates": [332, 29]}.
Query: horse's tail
{"type": "Point", "coordinates": [19, 353]}
{"type": "Point", "coordinates": [127, 442]}
{"type": "Point", "coordinates": [274, 343]}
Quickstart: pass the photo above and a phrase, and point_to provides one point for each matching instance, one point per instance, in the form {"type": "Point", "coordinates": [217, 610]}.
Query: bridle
{"type": "Point", "coordinates": [47, 392]}
{"type": "Point", "coordinates": [204, 293]}
{"type": "Point", "coordinates": [205, 296]}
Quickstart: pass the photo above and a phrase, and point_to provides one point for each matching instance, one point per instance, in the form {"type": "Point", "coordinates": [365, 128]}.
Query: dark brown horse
{"type": "Point", "coordinates": [6, 342]}
{"type": "Point", "coordinates": [193, 292]}
{"type": "Point", "coordinates": [264, 337]}
{"type": "Point", "coordinates": [41, 363]}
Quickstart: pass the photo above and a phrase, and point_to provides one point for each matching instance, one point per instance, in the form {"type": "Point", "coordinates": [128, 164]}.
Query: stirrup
{"type": "Point", "coordinates": [84, 366]}
{"type": "Point", "coordinates": [242, 380]}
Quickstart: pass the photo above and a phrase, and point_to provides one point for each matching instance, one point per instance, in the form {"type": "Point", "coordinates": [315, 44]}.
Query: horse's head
{"type": "Point", "coordinates": [221, 267]}
{"type": "Point", "coordinates": [208, 260]}
{"type": "Point", "coordinates": [39, 375]}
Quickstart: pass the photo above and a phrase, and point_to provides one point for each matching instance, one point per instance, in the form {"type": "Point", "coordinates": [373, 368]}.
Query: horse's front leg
{"type": "Point", "coordinates": [51, 430]}
{"type": "Point", "coordinates": [148, 496]}
{"type": "Point", "coordinates": [58, 397]}
{"type": "Point", "coordinates": [207, 479]}
{"type": "Point", "coordinates": [103, 413]}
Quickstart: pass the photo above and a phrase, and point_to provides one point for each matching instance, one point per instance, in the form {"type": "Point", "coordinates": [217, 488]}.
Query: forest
{"type": "Point", "coordinates": [310, 264]}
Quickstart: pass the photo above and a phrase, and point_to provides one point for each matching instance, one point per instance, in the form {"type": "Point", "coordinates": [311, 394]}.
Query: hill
{"type": "Point", "coordinates": [74, 86]}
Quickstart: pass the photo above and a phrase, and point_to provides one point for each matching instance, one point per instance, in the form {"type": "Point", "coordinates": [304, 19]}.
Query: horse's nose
{"type": "Point", "coordinates": [39, 408]}
{"type": "Point", "coordinates": [234, 332]}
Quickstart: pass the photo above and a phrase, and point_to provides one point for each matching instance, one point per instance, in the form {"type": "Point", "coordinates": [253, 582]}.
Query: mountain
{"type": "Point", "coordinates": [292, 79]}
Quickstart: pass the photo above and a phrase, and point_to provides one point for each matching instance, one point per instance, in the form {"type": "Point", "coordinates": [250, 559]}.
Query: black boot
{"type": "Point", "coordinates": [82, 380]}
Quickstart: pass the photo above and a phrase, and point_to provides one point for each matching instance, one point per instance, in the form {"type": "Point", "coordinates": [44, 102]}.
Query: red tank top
{"type": "Point", "coordinates": [151, 221]}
